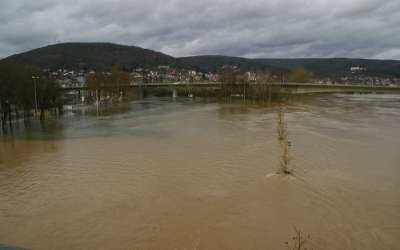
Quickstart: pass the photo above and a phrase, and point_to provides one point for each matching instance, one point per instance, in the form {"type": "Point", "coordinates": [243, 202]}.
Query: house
{"type": "Point", "coordinates": [250, 76]}
{"type": "Point", "coordinates": [356, 69]}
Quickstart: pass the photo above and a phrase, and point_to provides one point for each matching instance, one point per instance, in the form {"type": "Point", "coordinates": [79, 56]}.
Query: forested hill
{"type": "Point", "coordinates": [98, 56]}
{"type": "Point", "coordinates": [329, 67]}
{"type": "Point", "coordinates": [102, 56]}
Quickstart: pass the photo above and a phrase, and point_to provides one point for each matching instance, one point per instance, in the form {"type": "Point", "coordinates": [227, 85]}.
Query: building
{"type": "Point", "coordinates": [357, 69]}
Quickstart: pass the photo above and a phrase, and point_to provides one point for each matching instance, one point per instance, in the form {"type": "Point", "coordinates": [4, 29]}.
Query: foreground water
{"type": "Point", "coordinates": [186, 174]}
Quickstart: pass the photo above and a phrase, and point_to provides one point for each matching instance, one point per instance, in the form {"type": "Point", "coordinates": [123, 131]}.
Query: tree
{"type": "Point", "coordinates": [47, 94]}
{"type": "Point", "coordinates": [93, 82]}
{"type": "Point", "coordinates": [228, 80]}
{"type": "Point", "coordinates": [263, 87]}
{"type": "Point", "coordinates": [300, 75]}
{"type": "Point", "coordinates": [17, 91]}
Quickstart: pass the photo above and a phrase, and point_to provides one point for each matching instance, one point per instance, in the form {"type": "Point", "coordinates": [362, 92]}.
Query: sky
{"type": "Point", "coordinates": [250, 28]}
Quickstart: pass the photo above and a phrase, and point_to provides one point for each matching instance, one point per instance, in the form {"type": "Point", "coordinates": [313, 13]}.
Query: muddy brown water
{"type": "Point", "coordinates": [195, 174]}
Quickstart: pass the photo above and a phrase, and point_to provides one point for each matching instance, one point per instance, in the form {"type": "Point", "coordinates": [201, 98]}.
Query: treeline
{"type": "Point", "coordinates": [26, 90]}
{"type": "Point", "coordinates": [238, 83]}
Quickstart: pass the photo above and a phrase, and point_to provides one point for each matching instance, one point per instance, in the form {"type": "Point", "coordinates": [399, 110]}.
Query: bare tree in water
{"type": "Point", "coordinates": [283, 142]}
{"type": "Point", "coordinates": [299, 242]}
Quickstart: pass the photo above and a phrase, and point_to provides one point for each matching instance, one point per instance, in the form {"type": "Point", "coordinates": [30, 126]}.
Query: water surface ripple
{"type": "Point", "coordinates": [195, 174]}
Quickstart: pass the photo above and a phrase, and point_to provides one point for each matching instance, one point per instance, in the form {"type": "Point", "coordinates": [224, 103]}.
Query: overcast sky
{"type": "Point", "coordinates": [250, 28]}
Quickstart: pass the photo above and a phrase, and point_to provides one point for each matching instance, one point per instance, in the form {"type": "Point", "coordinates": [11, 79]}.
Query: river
{"type": "Point", "coordinates": [159, 173]}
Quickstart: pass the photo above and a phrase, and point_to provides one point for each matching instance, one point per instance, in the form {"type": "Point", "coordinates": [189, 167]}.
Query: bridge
{"type": "Point", "coordinates": [310, 88]}
{"type": "Point", "coordinates": [283, 88]}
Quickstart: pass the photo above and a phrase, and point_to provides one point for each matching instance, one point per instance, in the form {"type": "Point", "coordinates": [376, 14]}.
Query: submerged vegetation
{"type": "Point", "coordinates": [102, 84]}
{"type": "Point", "coordinates": [300, 75]}
{"type": "Point", "coordinates": [26, 90]}
{"type": "Point", "coordinates": [299, 241]}
{"type": "Point", "coordinates": [284, 143]}
{"type": "Point", "coordinates": [33, 92]}
{"type": "Point", "coordinates": [238, 84]}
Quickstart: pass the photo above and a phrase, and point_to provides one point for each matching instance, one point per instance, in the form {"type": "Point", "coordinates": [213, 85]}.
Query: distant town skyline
{"type": "Point", "coordinates": [253, 29]}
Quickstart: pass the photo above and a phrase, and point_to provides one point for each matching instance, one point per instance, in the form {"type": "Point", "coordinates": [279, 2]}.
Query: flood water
{"type": "Point", "coordinates": [195, 174]}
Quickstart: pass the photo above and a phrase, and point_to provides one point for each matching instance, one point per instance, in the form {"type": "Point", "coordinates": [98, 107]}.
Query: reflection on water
{"type": "Point", "coordinates": [185, 174]}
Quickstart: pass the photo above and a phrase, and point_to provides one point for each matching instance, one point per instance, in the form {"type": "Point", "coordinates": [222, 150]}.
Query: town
{"type": "Point", "coordinates": [356, 75]}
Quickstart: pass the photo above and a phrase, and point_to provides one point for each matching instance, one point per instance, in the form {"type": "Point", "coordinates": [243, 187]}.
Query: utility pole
{"type": "Point", "coordinates": [34, 83]}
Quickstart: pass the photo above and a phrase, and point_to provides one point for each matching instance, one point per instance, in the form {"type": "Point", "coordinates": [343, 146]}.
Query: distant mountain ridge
{"type": "Point", "coordinates": [102, 56]}
{"type": "Point", "coordinates": [322, 67]}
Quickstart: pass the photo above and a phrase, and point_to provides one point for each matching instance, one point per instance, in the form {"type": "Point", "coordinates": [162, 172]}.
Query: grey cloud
{"type": "Point", "coordinates": [253, 28]}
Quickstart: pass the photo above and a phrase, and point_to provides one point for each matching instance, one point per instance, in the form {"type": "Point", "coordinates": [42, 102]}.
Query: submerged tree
{"type": "Point", "coordinates": [94, 81]}
{"type": "Point", "coordinates": [48, 94]}
{"type": "Point", "coordinates": [299, 242]}
{"type": "Point", "coordinates": [263, 87]}
{"type": "Point", "coordinates": [23, 88]}
{"type": "Point", "coordinates": [300, 75]}
{"type": "Point", "coordinates": [284, 143]}
{"type": "Point", "coordinates": [228, 81]}
{"type": "Point", "coordinates": [16, 90]}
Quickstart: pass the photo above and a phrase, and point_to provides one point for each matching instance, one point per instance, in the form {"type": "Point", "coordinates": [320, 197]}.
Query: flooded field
{"type": "Point", "coordinates": [195, 174]}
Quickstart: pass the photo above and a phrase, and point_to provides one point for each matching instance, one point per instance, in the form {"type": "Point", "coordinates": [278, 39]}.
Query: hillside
{"type": "Point", "coordinates": [102, 56]}
{"type": "Point", "coordinates": [98, 56]}
{"type": "Point", "coordinates": [329, 67]}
